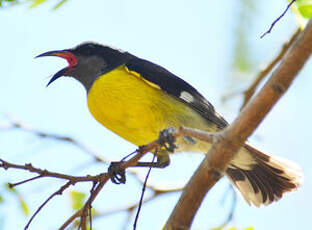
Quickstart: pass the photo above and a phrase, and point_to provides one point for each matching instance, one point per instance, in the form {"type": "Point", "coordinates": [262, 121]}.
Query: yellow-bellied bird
{"type": "Point", "coordinates": [137, 99]}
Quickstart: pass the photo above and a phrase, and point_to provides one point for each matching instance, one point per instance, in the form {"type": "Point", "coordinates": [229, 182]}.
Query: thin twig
{"type": "Point", "coordinates": [45, 173]}
{"type": "Point", "coordinates": [142, 195]}
{"type": "Point", "coordinates": [86, 207]}
{"type": "Point", "coordinates": [248, 93]}
{"type": "Point", "coordinates": [276, 20]}
{"type": "Point", "coordinates": [24, 181]}
{"type": "Point", "coordinates": [58, 192]}
{"type": "Point", "coordinates": [71, 219]}
{"type": "Point", "coordinates": [90, 217]}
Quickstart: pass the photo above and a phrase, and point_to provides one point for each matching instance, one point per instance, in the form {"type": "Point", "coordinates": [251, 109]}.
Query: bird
{"type": "Point", "coordinates": [136, 99]}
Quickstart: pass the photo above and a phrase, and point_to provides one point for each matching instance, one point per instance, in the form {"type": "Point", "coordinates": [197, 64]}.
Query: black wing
{"type": "Point", "coordinates": [177, 88]}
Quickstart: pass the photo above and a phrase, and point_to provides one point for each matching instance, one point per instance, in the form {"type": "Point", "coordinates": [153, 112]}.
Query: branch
{"type": "Point", "coordinates": [99, 180]}
{"type": "Point", "coordinates": [45, 173]}
{"type": "Point", "coordinates": [231, 139]}
{"type": "Point", "coordinates": [276, 20]}
{"type": "Point", "coordinates": [248, 93]}
{"type": "Point", "coordinates": [58, 192]}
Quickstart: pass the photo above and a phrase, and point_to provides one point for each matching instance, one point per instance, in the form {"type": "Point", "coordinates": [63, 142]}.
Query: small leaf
{"type": "Point", "coordinates": [19, 197]}
{"type": "Point", "coordinates": [94, 212]}
{"type": "Point", "coordinates": [300, 19]}
{"type": "Point", "coordinates": [249, 228]}
{"type": "Point", "coordinates": [305, 8]}
{"type": "Point", "coordinates": [58, 5]}
{"type": "Point", "coordinates": [1, 199]}
{"type": "Point", "coordinates": [77, 199]}
{"type": "Point", "coordinates": [24, 207]}
{"type": "Point", "coordinates": [37, 3]}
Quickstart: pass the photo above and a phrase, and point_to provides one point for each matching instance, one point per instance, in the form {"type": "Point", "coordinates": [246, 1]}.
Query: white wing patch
{"type": "Point", "coordinates": [186, 97]}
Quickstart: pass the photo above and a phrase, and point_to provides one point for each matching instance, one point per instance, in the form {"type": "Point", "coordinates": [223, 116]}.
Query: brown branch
{"type": "Point", "coordinates": [100, 179]}
{"type": "Point", "coordinates": [232, 138]}
{"type": "Point", "coordinates": [248, 93]}
{"type": "Point", "coordinates": [45, 173]}
{"type": "Point", "coordinates": [96, 188]}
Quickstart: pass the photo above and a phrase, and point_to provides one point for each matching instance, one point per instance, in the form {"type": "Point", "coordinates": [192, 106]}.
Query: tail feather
{"type": "Point", "coordinates": [267, 178]}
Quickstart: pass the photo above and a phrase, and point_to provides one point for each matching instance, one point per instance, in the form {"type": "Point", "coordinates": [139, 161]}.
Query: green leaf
{"type": "Point", "coordinates": [305, 8]}
{"type": "Point", "coordinates": [1, 199]}
{"type": "Point", "coordinates": [58, 5]}
{"type": "Point", "coordinates": [24, 207]}
{"type": "Point", "coordinates": [36, 3]}
{"type": "Point", "coordinates": [20, 199]}
{"type": "Point", "coordinates": [77, 199]}
{"type": "Point", "coordinates": [300, 19]}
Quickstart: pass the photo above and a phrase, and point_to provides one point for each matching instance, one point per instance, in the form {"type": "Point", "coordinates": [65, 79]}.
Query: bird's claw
{"type": "Point", "coordinates": [166, 139]}
{"type": "Point", "coordinates": [117, 175]}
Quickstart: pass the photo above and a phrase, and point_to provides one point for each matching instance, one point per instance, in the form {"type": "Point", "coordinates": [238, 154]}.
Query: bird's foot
{"type": "Point", "coordinates": [117, 175]}
{"type": "Point", "coordinates": [166, 139]}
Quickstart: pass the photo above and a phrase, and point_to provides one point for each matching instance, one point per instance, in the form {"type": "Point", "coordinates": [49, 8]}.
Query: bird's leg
{"type": "Point", "coordinates": [163, 161]}
{"type": "Point", "coordinates": [166, 140]}
{"type": "Point", "coordinates": [118, 175]}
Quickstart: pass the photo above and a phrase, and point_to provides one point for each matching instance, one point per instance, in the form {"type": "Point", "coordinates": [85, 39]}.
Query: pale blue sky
{"type": "Point", "coordinates": [194, 40]}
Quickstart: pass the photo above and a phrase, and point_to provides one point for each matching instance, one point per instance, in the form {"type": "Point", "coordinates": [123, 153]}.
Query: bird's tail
{"type": "Point", "coordinates": [266, 179]}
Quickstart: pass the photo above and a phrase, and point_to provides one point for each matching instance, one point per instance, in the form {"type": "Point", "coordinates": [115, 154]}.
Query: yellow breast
{"type": "Point", "coordinates": [135, 109]}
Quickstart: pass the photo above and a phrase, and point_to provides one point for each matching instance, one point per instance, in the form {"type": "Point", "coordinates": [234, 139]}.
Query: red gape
{"type": "Point", "coordinates": [70, 58]}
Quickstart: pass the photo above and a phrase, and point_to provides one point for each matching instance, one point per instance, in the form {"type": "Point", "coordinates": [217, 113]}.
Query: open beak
{"type": "Point", "coordinates": [57, 53]}
{"type": "Point", "coordinates": [67, 55]}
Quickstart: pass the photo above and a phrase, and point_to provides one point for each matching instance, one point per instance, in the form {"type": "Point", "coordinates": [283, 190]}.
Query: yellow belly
{"type": "Point", "coordinates": [135, 109]}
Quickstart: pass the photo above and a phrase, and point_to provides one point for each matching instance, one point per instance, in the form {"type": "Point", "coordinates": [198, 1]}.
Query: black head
{"type": "Point", "coordinates": [87, 62]}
